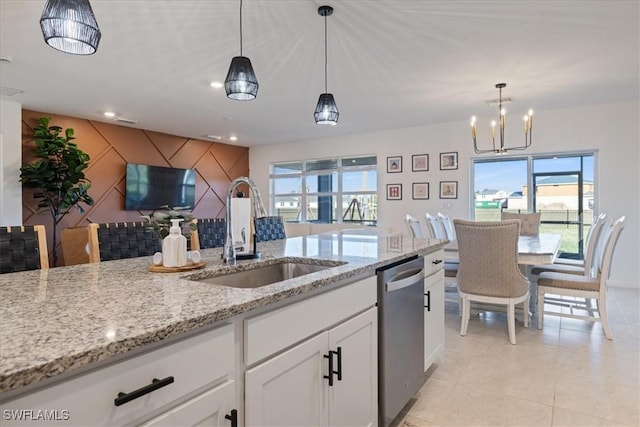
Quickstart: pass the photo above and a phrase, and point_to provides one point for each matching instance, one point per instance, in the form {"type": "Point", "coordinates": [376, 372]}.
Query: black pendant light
{"type": "Point", "coordinates": [326, 112]}
{"type": "Point", "coordinates": [241, 83]}
{"type": "Point", "coordinates": [70, 26]}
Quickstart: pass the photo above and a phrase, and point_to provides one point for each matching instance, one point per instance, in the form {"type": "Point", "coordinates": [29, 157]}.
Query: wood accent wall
{"type": "Point", "coordinates": [111, 147]}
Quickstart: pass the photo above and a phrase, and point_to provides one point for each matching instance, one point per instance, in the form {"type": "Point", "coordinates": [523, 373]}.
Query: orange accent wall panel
{"type": "Point", "coordinates": [111, 147]}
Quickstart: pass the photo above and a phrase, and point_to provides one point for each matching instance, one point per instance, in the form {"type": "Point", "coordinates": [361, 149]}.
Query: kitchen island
{"type": "Point", "coordinates": [62, 322]}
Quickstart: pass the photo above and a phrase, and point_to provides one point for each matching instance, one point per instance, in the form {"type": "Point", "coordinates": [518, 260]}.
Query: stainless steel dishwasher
{"type": "Point", "coordinates": [400, 335]}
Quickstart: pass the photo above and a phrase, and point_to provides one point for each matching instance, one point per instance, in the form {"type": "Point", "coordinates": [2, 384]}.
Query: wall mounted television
{"type": "Point", "coordinates": [151, 187]}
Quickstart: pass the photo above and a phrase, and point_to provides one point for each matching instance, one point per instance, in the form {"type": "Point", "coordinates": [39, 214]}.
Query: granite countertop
{"type": "Point", "coordinates": [57, 320]}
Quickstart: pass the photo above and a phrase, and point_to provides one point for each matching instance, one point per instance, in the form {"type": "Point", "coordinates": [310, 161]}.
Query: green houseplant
{"type": "Point", "coordinates": [57, 175]}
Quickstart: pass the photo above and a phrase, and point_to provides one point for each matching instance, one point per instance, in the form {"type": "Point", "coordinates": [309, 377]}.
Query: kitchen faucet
{"type": "Point", "coordinates": [229, 253]}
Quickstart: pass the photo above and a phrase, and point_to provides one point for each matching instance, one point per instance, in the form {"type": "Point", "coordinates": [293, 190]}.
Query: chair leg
{"type": "Point", "coordinates": [466, 313]}
{"type": "Point", "coordinates": [540, 306]}
{"type": "Point", "coordinates": [511, 322]}
{"type": "Point", "coordinates": [527, 313]}
{"type": "Point", "coordinates": [602, 309]}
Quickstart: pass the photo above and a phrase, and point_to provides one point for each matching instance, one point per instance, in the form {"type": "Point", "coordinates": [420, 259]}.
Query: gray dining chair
{"type": "Point", "coordinates": [414, 227]}
{"type": "Point", "coordinates": [577, 292]}
{"type": "Point", "coordinates": [435, 227]}
{"type": "Point", "coordinates": [488, 271]}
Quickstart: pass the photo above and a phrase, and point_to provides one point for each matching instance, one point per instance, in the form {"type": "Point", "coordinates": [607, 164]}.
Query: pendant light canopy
{"type": "Point", "coordinates": [326, 112]}
{"type": "Point", "coordinates": [70, 26]}
{"type": "Point", "coordinates": [241, 83]}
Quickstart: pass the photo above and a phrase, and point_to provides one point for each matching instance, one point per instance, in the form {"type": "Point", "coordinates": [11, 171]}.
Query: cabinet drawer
{"type": "Point", "coordinates": [89, 399]}
{"type": "Point", "coordinates": [433, 262]}
{"type": "Point", "coordinates": [273, 331]}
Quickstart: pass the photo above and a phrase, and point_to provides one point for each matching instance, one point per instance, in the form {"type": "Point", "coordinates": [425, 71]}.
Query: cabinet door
{"type": "Point", "coordinates": [208, 409]}
{"type": "Point", "coordinates": [290, 389]}
{"type": "Point", "coordinates": [353, 399]}
{"type": "Point", "coordinates": [433, 317]}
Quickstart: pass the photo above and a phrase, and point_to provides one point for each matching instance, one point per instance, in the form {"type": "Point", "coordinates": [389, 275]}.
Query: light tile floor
{"type": "Point", "coordinates": [567, 374]}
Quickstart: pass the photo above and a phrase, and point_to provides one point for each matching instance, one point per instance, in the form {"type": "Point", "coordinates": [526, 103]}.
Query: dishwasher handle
{"type": "Point", "coordinates": [400, 281]}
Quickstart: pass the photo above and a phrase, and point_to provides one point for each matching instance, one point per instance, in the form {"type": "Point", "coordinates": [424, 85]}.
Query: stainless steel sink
{"type": "Point", "coordinates": [266, 274]}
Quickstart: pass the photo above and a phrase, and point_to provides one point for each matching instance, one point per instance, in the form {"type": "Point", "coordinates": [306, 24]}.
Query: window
{"type": "Point", "coordinates": [562, 189]}
{"type": "Point", "coordinates": [325, 190]}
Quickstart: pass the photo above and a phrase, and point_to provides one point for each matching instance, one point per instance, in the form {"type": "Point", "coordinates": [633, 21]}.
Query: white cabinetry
{"type": "Point", "coordinates": [200, 368]}
{"type": "Point", "coordinates": [433, 307]}
{"type": "Point", "coordinates": [330, 378]}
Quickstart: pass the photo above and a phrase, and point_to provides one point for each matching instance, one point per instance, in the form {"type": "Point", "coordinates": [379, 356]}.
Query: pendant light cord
{"type": "Point", "coordinates": [325, 53]}
{"type": "Point", "coordinates": [240, 27]}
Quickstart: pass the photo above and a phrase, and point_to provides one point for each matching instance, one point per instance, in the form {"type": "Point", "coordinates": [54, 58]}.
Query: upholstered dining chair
{"type": "Point", "coordinates": [23, 248]}
{"type": "Point", "coordinates": [434, 227]}
{"type": "Point", "coordinates": [414, 227]}
{"type": "Point", "coordinates": [269, 228]}
{"type": "Point", "coordinates": [119, 240]}
{"type": "Point", "coordinates": [529, 222]}
{"type": "Point", "coordinates": [488, 271]}
{"type": "Point", "coordinates": [554, 288]}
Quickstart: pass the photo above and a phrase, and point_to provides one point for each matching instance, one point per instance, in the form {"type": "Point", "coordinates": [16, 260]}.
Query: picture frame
{"type": "Point", "coordinates": [420, 191]}
{"type": "Point", "coordinates": [394, 164]}
{"type": "Point", "coordinates": [448, 189]}
{"type": "Point", "coordinates": [449, 161]}
{"type": "Point", "coordinates": [419, 162]}
{"type": "Point", "coordinates": [394, 191]}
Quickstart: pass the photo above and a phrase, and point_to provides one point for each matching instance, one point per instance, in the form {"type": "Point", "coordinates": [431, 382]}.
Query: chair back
{"type": "Point", "coordinates": [602, 267]}
{"type": "Point", "coordinates": [269, 228]}
{"type": "Point", "coordinates": [435, 227]}
{"type": "Point", "coordinates": [23, 248]}
{"type": "Point", "coordinates": [591, 241]}
{"type": "Point", "coordinates": [414, 227]}
{"type": "Point", "coordinates": [448, 226]}
{"type": "Point", "coordinates": [529, 222]}
{"type": "Point", "coordinates": [488, 254]}
{"type": "Point", "coordinates": [211, 233]}
{"type": "Point", "coordinates": [120, 240]}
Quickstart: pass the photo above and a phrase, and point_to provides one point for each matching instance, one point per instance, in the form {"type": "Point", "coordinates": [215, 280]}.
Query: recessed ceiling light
{"type": "Point", "coordinates": [233, 138]}
{"type": "Point", "coordinates": [217, 85]}
{"type": "Point", "coordinates": [109, 114]}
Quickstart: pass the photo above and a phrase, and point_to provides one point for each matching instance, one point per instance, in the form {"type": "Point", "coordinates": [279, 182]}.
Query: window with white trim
{"type": "Point", "coordinates": [331, 190]}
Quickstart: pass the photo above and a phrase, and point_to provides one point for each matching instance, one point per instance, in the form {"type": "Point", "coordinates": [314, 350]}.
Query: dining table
{"type": "Point", "coordinates": [533, 250]}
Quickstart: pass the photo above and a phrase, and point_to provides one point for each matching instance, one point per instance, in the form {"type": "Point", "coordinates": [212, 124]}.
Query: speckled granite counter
{"type": "Point", "coordinates": [61, 319]}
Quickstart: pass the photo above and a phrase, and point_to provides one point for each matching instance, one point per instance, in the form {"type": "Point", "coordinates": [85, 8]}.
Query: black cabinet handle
{"type": "Point", "coordinates": [428, 306]}
{"type": "Point", "coordinates": [155, 384]}
{"type": "Point", "coordinates": [330, 376]}
{"type": "Point", "coordinates": [436, 261]}
{"type": "Point", "coordinates": [233, 417]}
{"type": "Point", "coordinates": [338, 352]}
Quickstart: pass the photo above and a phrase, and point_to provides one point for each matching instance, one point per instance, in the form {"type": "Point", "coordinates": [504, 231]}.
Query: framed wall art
{"type": "Point", "coordinates": [449, 161]}
{"type": "Point", "coordinates": [394, 164]}
{"type": "Point", "coordinates": [419, 162]}
{"type": "Point", "coordinates": [420, 191]}
{"type": "Point", "coordinates": [448, 189]}
{"type": "Point", "coordinates": [394, 191]}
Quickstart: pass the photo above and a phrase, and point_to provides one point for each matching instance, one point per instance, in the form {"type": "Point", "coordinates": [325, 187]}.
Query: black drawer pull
{"type": "Point", "coordinates": [428, 295]}
{"type": "Point", "coordinates": [436, 261]}
{"type": "Point", "coordinates": [128, 397]}
{"type": "Point", "coordinates": [233, 417]}
{"type": "Point", "coordinates": [338, 353]}
{"type": "Point", "coordinates": [331, 371]}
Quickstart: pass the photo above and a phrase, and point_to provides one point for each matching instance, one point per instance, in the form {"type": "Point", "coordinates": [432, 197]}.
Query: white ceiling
{"type": "Point", "coordinates": [391, 63]}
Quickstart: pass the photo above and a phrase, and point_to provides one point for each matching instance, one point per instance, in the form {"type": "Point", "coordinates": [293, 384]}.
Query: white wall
{"type": "Point", "coordinates": [612, 129]}
{"type": "Point", "coordinates": [11, 160]}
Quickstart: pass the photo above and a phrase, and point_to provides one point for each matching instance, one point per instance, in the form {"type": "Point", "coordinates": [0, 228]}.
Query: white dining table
{"type": "Point", "coordinates": [539, 249]}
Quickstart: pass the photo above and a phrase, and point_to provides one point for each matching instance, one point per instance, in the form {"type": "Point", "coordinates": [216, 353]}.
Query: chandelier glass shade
{"type": "Point", "coordinates": [326, 112]}
{"type": "Point", "coordinates": [70, 26]}
{"type": "Point", "coordinates": [241, 83]}
{"type": "Point", "coordinates": [500, 148]}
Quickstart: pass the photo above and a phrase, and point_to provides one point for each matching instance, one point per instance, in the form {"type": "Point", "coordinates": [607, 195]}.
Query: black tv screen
{"type": "Point", "coordinates": [151, 187]}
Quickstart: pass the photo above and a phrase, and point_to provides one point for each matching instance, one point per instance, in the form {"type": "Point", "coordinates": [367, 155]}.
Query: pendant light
{"type": "Point", "coordinates": [70, 26]}
{"type": "Point", "coordinates": [241, 83]}
{"type": "Point", "coordinates": [501, 148]}
{"type": "Point", "coordinates": [326, 112]}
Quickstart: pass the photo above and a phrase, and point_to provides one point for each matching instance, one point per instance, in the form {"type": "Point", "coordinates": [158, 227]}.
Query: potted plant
{"type": "Point", "coordinates": [57, 175]}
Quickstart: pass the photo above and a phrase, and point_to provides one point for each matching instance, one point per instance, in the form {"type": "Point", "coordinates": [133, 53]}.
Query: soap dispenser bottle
{"type": "Point", "coordinates": [174, 246]}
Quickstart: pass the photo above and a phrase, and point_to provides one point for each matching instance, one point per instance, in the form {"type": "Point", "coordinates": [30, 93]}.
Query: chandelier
{"type": "Point", "coordinates": [241, 83]}
{"type": "Point", "coordinates": [501, 149]}
{"type": "Point", "coordinates": [70, 26]}
{"type": "Point", "coordinates": [326, 112]}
